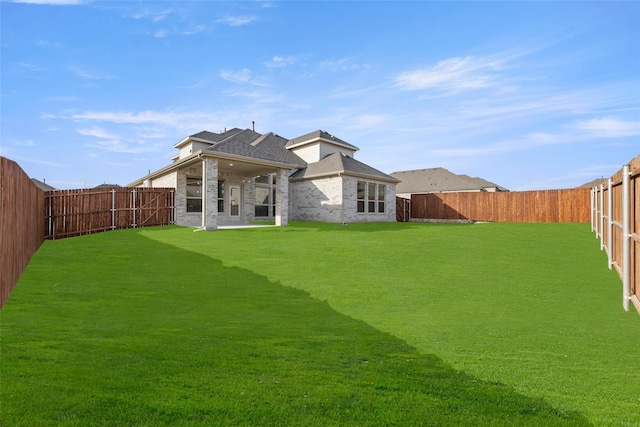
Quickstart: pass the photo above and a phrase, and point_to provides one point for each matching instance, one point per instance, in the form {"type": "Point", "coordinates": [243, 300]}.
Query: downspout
{"type": "Point", "coordinates": [341, 198]}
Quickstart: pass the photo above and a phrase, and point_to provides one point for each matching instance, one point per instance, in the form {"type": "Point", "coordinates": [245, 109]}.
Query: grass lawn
{"type": "Point", "coordinates": [321, 324]}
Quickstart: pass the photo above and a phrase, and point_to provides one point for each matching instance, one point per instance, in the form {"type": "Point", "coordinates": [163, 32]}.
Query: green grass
{"type": "Point", "coordinates": [321, 324]}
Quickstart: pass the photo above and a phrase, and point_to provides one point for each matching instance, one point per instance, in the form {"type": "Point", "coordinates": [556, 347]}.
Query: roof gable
{"type": "Point", "coordinates": [316, 136]}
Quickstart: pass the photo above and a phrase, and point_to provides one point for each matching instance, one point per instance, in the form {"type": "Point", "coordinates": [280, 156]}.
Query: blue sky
{"type": "Point", "coordinates": [529, 95]}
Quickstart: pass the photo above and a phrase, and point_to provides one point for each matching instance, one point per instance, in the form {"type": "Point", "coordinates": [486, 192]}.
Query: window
{"type": "Point", "coordinates": [371, 205]}
{"type": "Point", "coordinates": [371, 196]}
{"type": "Point", "coordinates": [234, 201]}
{"type": "Point", "coordinates": [265, 196]}
{"type": "Point", "coordinates": [362, 190]}
{"type": "Point", "coordinates": [194, 194]}
{"type": "Point", "coordinates": [381, 193]}
{"type": "Point", "coordinates": [220, 196]}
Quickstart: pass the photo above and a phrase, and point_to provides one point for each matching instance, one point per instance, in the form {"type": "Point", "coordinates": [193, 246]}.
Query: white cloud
{"type": "Point", "coordinates": [31, 67]}
{"type": "Point", "coordinates": [53, 2]}
{"type": "Point", "coordinates": [343, 64]}
{"type": "Point", "coordinates": [152, 15]}
{"type": "Point", "coordinates": [195, 30]}
{"type": "Point", "coordinates": [452, 74]}
{"type": "Point", "coordinates": [89, 75]}
{"type": "Point", "coordinates": [280, 61]}
{"type": "Point", "coordinates": [26, 143]}
{"type": "Point", "coordinates": [160, 33]}
{"type": "Point", "coordinates": [140, 126]}
{"type": "Point", "coordinates": [46, 43]}
{"type": "Point", "coordinates": [241, 77]}
{"type": "Point", "coordinates": [237, 21]}
{"type": "Point", "coordinates": [608, 127]}
{"type": "Point", "coordinates": [96, 132]}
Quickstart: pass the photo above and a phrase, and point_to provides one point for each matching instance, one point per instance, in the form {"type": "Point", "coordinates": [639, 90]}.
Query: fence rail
{"type": "Point", "coordinates": [615, 218]}
{"type": "Point", "coordinates": [77, 212]}
{"type": "Point", "coordinates": [571, 205]}
{"type": "Point", "coordinates": [21, 224]}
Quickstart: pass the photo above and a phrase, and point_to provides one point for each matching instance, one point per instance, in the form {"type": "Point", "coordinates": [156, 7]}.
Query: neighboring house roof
{"type": "Point", "coordinates": [42, 185]}
{"type": "Point", "coordinates": [105, 185]}
{"type": "Point", "coordinates": [594, 183]}
{"type": "Point", "coordinates": [483, 183]}
{"type": "Point", "coordinates": [338, 163]}
{"type": "Point", "coordinates": [319, 135]}
{"type": "Point", "coordinates": [437, 180]}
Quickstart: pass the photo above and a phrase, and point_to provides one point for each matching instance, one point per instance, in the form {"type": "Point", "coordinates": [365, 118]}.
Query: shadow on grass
{"type": "Point", "coordinates": [119, 329]}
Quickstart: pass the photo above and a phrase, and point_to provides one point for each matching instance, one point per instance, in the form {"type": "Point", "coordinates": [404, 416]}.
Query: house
{"type": "Point", "coordinates": [105, 185]}
{"type": "Point", "coordinates": [240, 176]}
{"type": "Point", "coordinates": [439, 180]}
{"type": "Point", "coordinates": [595, 183]}
{"type": "Point", "coordinates": [42, 185]}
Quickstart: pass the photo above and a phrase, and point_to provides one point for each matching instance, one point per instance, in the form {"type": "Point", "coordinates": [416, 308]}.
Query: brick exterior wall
{"type": "Point", "coordinates": [351, 202]}
{"type": "Point", "coordinates": [316, 200]}
{"type": "Point", "coordinates": [322, 200]}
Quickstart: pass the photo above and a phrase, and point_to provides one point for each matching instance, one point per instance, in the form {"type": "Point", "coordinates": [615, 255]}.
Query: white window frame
{"type": "Point", "coordinates": [374, 198]}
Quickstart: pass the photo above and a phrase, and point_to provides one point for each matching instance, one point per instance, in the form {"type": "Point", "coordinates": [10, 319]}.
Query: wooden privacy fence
{"type": "Point", "coordinates": [571, 205]}
{"type": "Point", "coordinates": [21, 223]}
{"type": "Point", "coordinates": [76, 212]}
{"type": "Point", "coordinates": [615, 217]}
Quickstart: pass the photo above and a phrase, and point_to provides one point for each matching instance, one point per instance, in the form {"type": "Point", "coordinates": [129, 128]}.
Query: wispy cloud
{"type": "Point", "coordinates": [452, 74]}
{"type": "Point", "coordinates": [144, 124]}
{"type": "Point", "coordinates": [25, 143]}
{"type": "Point", "coordinates": [97, 132]}
{"type": "Point", "coordinates": [608, 127]}
{"type": "Point", "coordinates": [196, 29]}
{"type": "Point", "coordinates": [54, 2]}
{"type": "Point", "coordinates": [151, 15]}
{"type": "Point", "coordinates": [63, 98]}
{"type": "Point", "coordinates": [243, 76]}
{"type": "Point", "coordinates": [572, 133]}
{"type": "Point", "coordinates": [237, 21]}
{"type": "Point", "coordinates": [111, 142]}
{"type": "Point", "coordinates": [47, 43]}
{"type": "Point", "coordinates": [160, 33]}
{"type": "Point", "coordinates": [342, 64]}
{"type": "Point", "coordinates": [280, 61]}
{"type": "Point", "coordinates": [31, 67]}
{"type": "Point", "coordinates": [89, 75]}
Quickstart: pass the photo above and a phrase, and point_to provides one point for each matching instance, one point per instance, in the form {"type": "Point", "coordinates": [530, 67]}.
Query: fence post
{"type": "Point", "coordinates": [113, 209]}
{"type": "Point", "coordinates": [133, 206]}
{"type": "Point", "coordinates": [601, 216]}
{"type": "Point", "coordinates": [591, 199]}
{"type": "Point", "coordinates": [626, 237]}
{"type": "Point", "coordinates": [173, 207]}
{"type": "Point", "coordinates": [609, 223]}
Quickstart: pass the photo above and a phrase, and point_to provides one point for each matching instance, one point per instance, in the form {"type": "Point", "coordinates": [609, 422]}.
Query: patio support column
{"type": "Point", "coordinates": [209, 193]}
{"type": "Point", "coordinates": [282, 197]}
